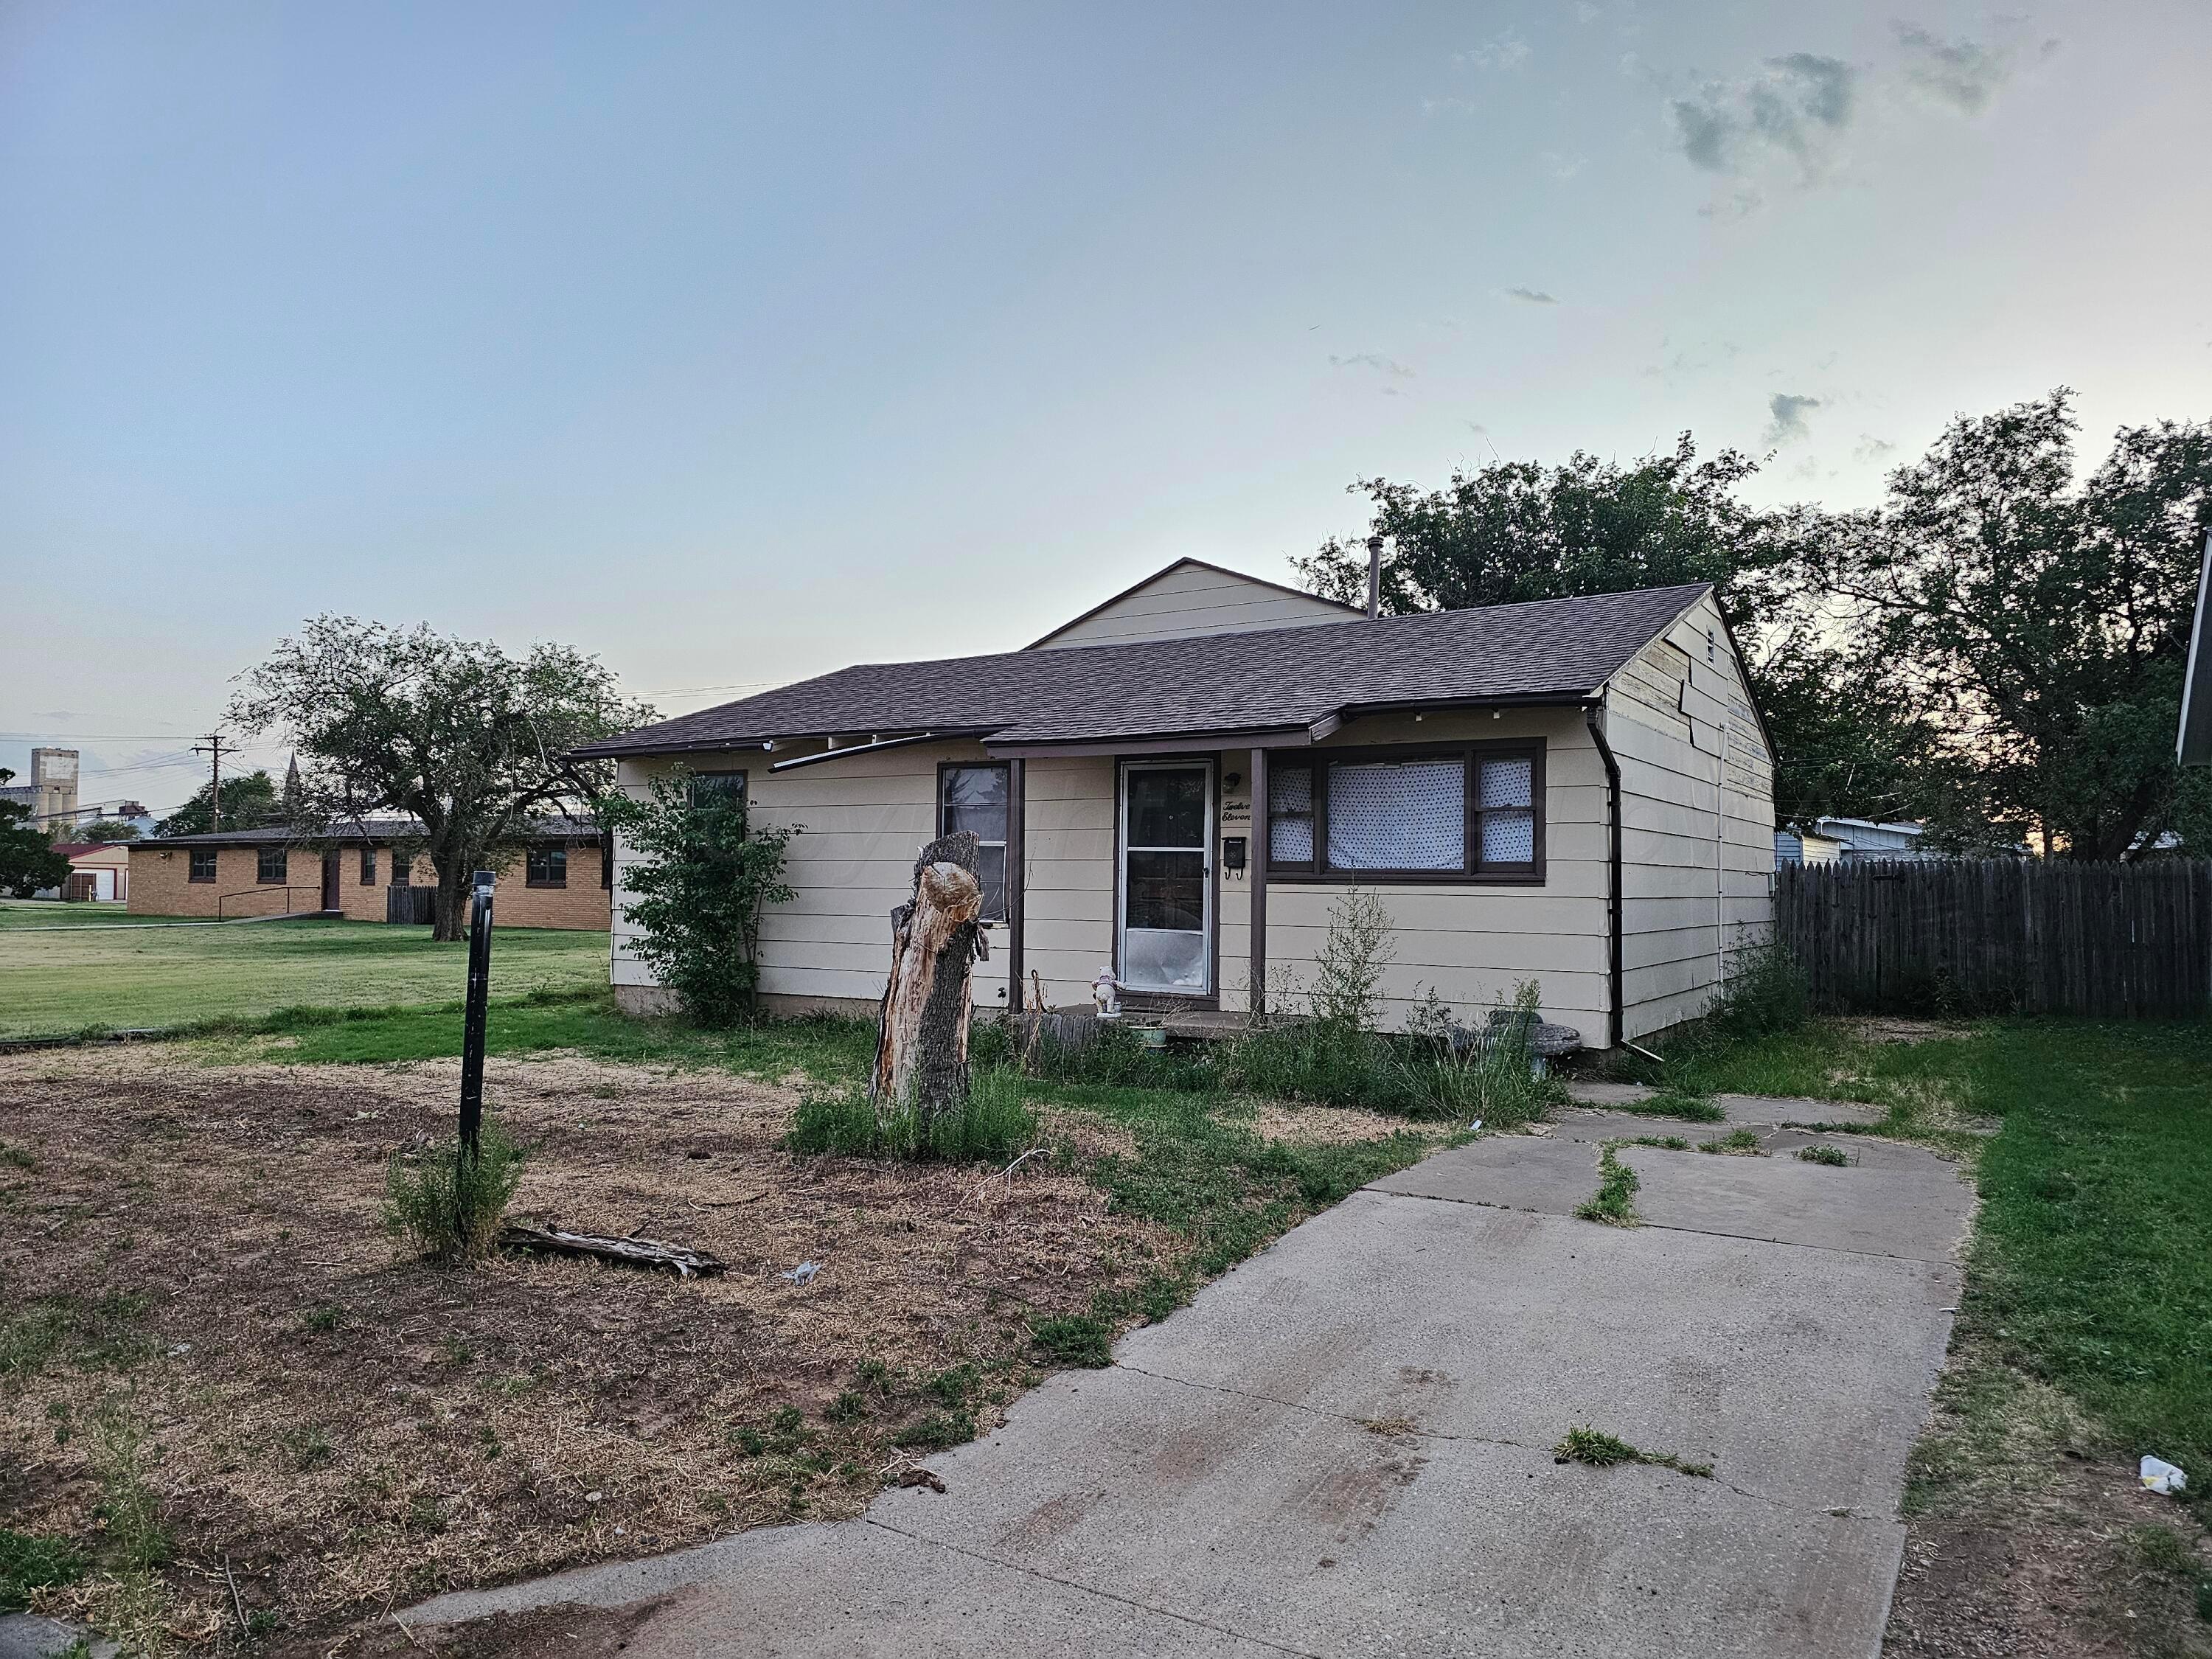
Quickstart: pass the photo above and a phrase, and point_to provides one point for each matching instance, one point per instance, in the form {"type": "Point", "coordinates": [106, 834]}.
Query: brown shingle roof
{"type": "Point", "coordinates": [1552, 650]}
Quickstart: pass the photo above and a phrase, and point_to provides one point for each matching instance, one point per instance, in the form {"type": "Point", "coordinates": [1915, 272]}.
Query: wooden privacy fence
{"type": "Point", "coordinates": [2001, 936]}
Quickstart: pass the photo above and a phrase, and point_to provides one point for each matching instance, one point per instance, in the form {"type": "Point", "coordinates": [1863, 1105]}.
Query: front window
{"type": "Point", "coordinates": [1473, 813]}
{"type": "Point", "coordinates": [974, 797]}
{"type": "Point", "coordinates": [368, 866]}
{"type": "Point", "coordinates": [202, 864]}
{"type": "Point", "coordinates": [547, 866]}
{"type": "Point", "coordinates": [273, 866]}
{"type": "Point", "coordinates": [403, 867]}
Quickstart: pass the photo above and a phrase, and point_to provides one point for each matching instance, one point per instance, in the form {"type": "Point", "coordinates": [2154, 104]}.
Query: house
{"type": "Point", "coordinates": [1576, 792]}
{"type": "Point", "coordinates": [98, 870]}
{"type": "Point", "coordinates": [373, 871]}
{"type": "Point", "coordinates": [1807, 847]}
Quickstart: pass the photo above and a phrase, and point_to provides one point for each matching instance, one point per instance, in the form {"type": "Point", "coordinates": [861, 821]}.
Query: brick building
{"type": "Point", "coordinates": [560, 880]}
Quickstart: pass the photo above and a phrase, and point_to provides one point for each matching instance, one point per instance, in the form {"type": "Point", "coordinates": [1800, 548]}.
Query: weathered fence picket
{"type": "Point", "coordinates": [2000, 935]}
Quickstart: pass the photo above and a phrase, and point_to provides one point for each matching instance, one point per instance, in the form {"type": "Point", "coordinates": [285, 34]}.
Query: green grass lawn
{"type": "Point", "coordinates": [53, 913]}
{"type": "Point", "coordinates": [139, 977]}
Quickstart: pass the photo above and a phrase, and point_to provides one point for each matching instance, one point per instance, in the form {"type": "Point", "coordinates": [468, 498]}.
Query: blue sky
{"type": "Point", "coordinates": [736, 344]}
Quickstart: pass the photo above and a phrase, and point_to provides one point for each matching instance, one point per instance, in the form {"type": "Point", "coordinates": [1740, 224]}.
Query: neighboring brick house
{"type": "Point", "coordinates": [561, 880]}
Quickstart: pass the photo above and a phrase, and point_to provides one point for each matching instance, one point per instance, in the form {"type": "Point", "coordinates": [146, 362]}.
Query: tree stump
{"type": "Point", "coordinates": [922, 1036]}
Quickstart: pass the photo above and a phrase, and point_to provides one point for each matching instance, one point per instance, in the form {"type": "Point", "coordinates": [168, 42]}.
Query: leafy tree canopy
{"type": "Point", "coordinates": [1999, 644]}
{"type": "Point", "coordinates": [2035, 622]}
{"type": "Point", "coordinates": [468, 740]}
{"type": "Point", "coordinates": [249, 802]}
{"type": "Point", "coordinates": [106, 830]}
{"type": "Point", "coordinates": [28, 859]}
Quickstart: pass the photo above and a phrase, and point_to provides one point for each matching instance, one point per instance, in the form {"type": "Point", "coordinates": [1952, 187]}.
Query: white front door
{"type": "Point", "coordinates": [1166, 876]}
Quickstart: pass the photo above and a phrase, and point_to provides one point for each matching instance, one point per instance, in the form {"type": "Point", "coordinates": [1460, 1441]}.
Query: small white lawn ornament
{"type": "Point", "coordinates": [1104, 992]}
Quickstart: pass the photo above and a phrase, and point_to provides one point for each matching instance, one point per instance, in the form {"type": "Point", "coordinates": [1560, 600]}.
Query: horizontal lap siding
{"type": "Point", "coordinates": [1187, 602]}
{"type": "Point", "coordinates": [1689, 747]}
{"type": "Point", "coordinates": [860, 823]}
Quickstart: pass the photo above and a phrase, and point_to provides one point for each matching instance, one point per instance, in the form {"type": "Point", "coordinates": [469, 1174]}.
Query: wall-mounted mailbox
{"type": "Point", "coordinates": [1232, 853]}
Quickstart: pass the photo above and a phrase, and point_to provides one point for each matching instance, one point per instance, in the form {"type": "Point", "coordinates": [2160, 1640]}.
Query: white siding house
{"type": "Point", "coordinates": [1469, 768]}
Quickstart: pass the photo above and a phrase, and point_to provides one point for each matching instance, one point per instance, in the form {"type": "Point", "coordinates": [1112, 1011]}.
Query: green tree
{"type": "Point", "coordinates": [28, 859]}
{"type": "Point", "coordinates": [107, 831]}
{"type": "Point", "coordinates": [2038, 621]}
{"type": "Point", "coordinates": [249, 802]}
{"type": "Point", "coordinates": [704, 878]}
{"type": "Point", "coordinates": [469, 740]}
{"type": "Point", "coordinates": [1518, 530]}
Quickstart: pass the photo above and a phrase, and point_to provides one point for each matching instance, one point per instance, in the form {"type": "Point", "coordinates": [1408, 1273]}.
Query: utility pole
{"type": "Point", "coordinates": [212, 748]}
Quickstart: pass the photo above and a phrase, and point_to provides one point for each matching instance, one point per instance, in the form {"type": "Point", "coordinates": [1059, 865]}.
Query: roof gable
{"type": "Point", "coordinates": [1189, 598]}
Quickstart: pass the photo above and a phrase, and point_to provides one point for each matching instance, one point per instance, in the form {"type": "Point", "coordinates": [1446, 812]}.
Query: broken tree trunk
{"type": "Point", "coordinates": [922, 1038]}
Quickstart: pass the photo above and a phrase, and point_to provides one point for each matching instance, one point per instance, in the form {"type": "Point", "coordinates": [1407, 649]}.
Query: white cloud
{"type": "Point", "coordinates": [1506, 51]}
{"type": "Point", "coordinates": [1563, 167]}
{"type": "Point", "coordinates": [1961, 74]}
{"type": "Point", "coordinates": [1374, 359]}
{"type": "Point", "coordinates": [1531, 296]}
{"type": "Point", "coordinates": [1791, 112]}
{"type": "Point", "coordinates": [1786, 413]}
{"type": "Point", "coordinates": [1870, 448]}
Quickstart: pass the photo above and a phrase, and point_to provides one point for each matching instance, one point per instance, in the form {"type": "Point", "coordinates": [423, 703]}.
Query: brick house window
{"type": "Point", "coordinates": [403, 867]}
{"type": "Point", "coordinates": [546, 866]}
{"type": "Point", "coordinates": [202, 864]}
{"type": "Point", "coordinates": [368, 866]}
{"type": "Point", "coordinates": [272, 864]}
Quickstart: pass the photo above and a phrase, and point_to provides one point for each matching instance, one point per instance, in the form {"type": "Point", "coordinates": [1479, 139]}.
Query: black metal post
{"type": "Point", "coordinates": [473, 1027]}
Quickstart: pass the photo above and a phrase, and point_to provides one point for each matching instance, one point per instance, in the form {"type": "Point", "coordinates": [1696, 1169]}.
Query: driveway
{"type": "Point", "coordinates": [1344, 1445]}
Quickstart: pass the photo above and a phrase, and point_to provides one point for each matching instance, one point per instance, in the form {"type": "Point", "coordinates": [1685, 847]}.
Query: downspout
{"type": "Point", "coordinates": [1593, 717]}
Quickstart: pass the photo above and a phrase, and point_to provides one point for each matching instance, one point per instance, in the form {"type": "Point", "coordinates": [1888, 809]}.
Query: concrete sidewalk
{"type": "Point", "coordinates": [1343, 1447]}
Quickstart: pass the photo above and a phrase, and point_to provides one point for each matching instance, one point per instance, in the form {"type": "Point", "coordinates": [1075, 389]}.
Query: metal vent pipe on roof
{"type": "Point", "coordinates": [1374, 577]}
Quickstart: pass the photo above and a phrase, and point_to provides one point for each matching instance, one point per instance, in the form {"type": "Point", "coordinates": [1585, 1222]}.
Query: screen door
{"type": "Point", "coordinates": [1167, 896]}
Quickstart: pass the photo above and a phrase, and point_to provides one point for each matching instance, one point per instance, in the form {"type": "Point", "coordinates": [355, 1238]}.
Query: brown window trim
{"type": "Point", "coordinates": [192, 858]}
{"type": "Point", "coordinates": [1470, 754]}
{"type": "Point", "coordinates": [368, 866]}
{"type": "Point", "coordinates": [548, 882]}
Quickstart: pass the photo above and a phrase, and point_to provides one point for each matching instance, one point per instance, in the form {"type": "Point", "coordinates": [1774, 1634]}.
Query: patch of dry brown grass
{"type": "Point", "coordinates": [353, 1431]}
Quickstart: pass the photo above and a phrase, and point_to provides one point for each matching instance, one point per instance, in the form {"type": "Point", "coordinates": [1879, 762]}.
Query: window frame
{"type": "Point", "coordinates": [214, 857]}
{"type": "Point", "coordinates": [549, 851]}
{"type": "Point", "coordinates": [1473, 872]}
{"type": "Point", "coordinates": [262, 856]}
{"type": "Point", "coordinates": [369, 864]}
{"type": "Point", "coordinates": [1005, 770]}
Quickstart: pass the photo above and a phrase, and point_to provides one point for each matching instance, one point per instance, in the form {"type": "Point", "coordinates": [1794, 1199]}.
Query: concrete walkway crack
{"type": "Point", "coordinates": [1663, 1227]}
{"type": "Point", "coordinates": [1089, 1589]}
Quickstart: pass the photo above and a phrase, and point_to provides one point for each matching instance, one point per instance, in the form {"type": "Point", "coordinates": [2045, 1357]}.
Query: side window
{"type": "Point", "coordinates": [974, 797]}
{"type": "Point", "coordinates": [708, 788]}
{"type": "Point", "coordinates": [403, 867]}
{"type": "Point", "coordinates": [547, 866]}
{"type": "Point", "coordinates": [203, 859]}
{"type": "Point", "coordinates": [271, 865]}
{"type": "Point", "coordinates": [368, 866]}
